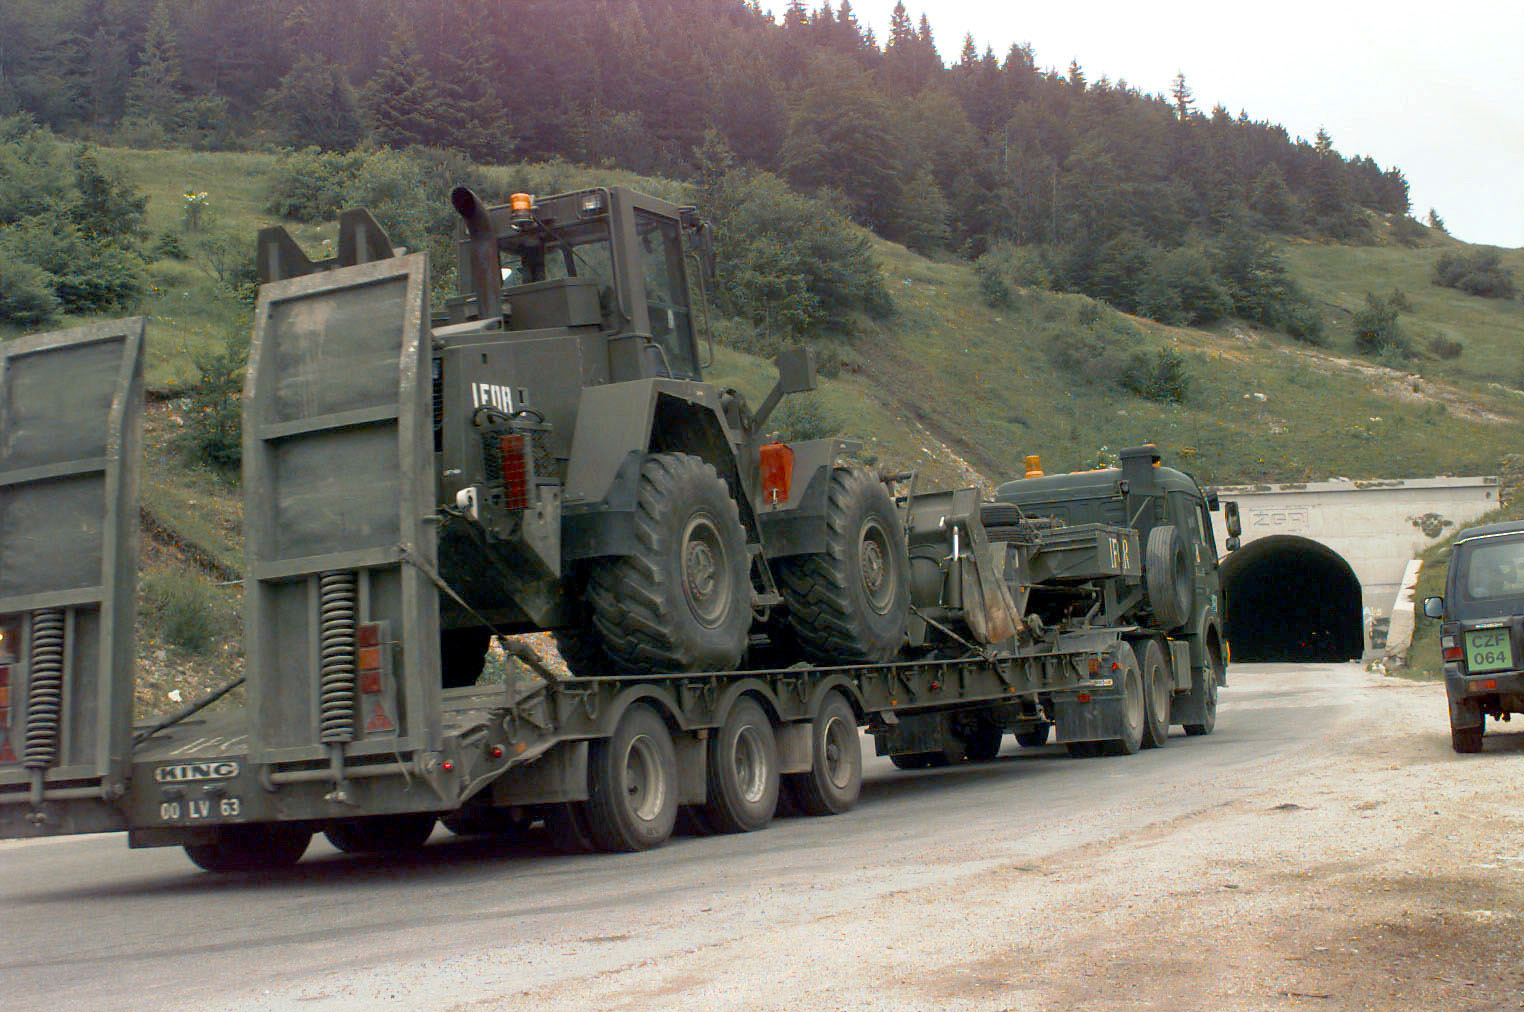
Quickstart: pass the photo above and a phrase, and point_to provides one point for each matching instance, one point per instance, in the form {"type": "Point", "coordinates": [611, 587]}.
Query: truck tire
{"type": "Point", "coordinates": [632, 783]}
{"type": "Point", "coordinates": [848, 604]}
{"type": "Point", "coordinates": [381, 834]}
{"type": "Point", "coordinates": [1158, 686]}
{"type": "Point", "coordinates": [682, 601]}
{"type": "Point", "coordinates": [1467, 739]}
{"type": "Point", "coordinates": [835, 778]}
{"type": "Point", "coordinates": [251, 848]}
{"type": "Point", "coordinates": [462, 655]}
{"type": "Point", "coordinates": [1134, 705]}
{"type": "Point", "coordinates": [1167, 578]}
{"type": "Point", "coordinates": [570, 828]}
{"type": "Point", "coordinates": [743, 771]}
{"type": "Point", "coordinates": [1205, 685]}
{"type": "Point", "coordinates": [1037, 737]}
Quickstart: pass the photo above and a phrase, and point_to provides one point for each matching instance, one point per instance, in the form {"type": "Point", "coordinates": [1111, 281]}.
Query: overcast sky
{"type": "Point", "coordinates": [1435, 88]}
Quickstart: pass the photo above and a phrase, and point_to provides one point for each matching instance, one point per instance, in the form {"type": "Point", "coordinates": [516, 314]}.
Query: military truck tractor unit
{"type": "Point", "coordinates": [543, 454]}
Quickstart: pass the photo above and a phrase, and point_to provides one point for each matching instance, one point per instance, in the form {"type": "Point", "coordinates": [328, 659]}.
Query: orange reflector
{"type": "Point", "coordinates": [1095, 665]}
{"type": "Point", "coordinates": [777, 472]}
{"type": "Point", "coordinates": [369, 659]}
{"type": "Point", "coordinates": [520, 748]}
{"type": "Point", "coordinates": [1490, 683]}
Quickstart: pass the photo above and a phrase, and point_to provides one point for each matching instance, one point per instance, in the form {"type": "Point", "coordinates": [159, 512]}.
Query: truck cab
{"type": "Point", "coordinates": [1482, 629]}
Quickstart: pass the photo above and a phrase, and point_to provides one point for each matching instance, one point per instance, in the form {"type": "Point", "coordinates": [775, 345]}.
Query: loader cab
{"type": "Point", "coordinates": [605, 257]}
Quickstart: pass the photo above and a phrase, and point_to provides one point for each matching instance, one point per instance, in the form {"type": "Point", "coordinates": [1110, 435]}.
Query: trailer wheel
{"type": "Point", "coordinates": [1158, 685]}
{"type": "Point", "coordinates": [983, 743]}
{"type": "Point", "coordinates": [569, 828]}
{"type": "Point", "coordinates": [632, 783]}
{"type": "Point", "coordinates": [1134, 704]}
{"type": "Point", "coordinates": [1037, 737]}
{"type": "Point", "coordinates": [1205, 688]}
{"type": "Point", "coordinates": [849, 603]}
{"type": "Point", "coordinates": [381, 834]}
{"type": "Point", "coordinates": [743, 771]}
{"type": "Point", "coordinates": [486, 820]}
{"type": "Point", "coordinates": [251, 848]}
{"type": "Point", "coordinates": [835, 778]}
{"type": "Point", "coordinates": [1167, 577]}
{"type": "Point", "coordinates": [682, 601]}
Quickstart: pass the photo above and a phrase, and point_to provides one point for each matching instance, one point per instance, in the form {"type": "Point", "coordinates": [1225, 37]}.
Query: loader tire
{"type": "Point", "coordinates": [682, 601]}
{"type": "Point", "coordinates": [848, 604]}
{"type": "Point", "coordinates": [1167, 576]}
{"type": "Point", "coordinates": [582, 651]}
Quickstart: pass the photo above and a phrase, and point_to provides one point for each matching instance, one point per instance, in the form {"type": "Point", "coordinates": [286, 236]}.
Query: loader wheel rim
{"type": "Point", "coordinates": [750, 765]}
{"type": "Point", "coordinates": [873, 560]}
{"type": "Point", "coordinates": [704, 565]}
{"type": "Point", "coordinates": [645, 787]}
{"type": "Point", "coordinates": [837, 766]}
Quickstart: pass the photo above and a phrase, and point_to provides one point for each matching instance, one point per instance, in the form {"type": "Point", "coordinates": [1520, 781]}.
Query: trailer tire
{"type": "Point", "coordinates": [1158, 686]}
{"type": "Point", "coordinates": [632, 783]}
{"type": "Point", "coordinates": [1205, 688]}
{"type": "Point", "coordinates": [486, 820]}
{"type": "Point", "coordinates": [682, 600]}
{"type": "Point", "coordinates": [743, 771]}
{"type": "Point", "coordinates": [835, 778]}
{"type": "Point", "coordinates": [381, 834]}
{"type": "Point", "coordinates": [848, 604]}
{"type": "Point", "coordinates": [1134, 705]}
{"type": "Point", "coordinates": [983, 744]}
{"type": "Point", "coordinates": [1167, 577]}
{"type": "Point", "coordinates": [569, 828]}
{"type": "Point", "coordinates": [251, 848]}
{"type": "Point", "coordinates": [1037, 737]}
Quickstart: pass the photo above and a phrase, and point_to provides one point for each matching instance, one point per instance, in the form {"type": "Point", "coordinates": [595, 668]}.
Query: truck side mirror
{"type": "Point", "coordinates": [1434, 607]}
{"type": "Point", "coordinates": [796, 375]}
{"type": "Point", "coordinates": [1230, 514]}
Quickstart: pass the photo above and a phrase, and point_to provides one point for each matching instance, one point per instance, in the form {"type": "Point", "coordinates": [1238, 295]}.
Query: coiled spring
{"type": "Point", "coordinates": [336, 685]}
{"type": "Point", "coordinates": [45, 689]}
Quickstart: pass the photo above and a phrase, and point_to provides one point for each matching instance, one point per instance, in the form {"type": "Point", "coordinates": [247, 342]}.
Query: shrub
{"type": "Point", "coordinates": [804, 416]}
{"type": "Point", "coordinates": [168, 246]}
{"type": "Point", "coordinates": [1004, 268]}
{"type": "Point", "coordinates": [179, 607]}
{"type": "Point", "coordinates": [228, 258]}
{"type": "Point", "coordinates": [1376, 330]}
{"type": "Point", "coordinates": [26, 294]}
{"type": "Point", "coordinates": [87, 276]}
{"type": "Point", "coordinates": [1161, 376]}
{"type": "Point", "coordinates": [1478, 273]}
{"type": "Point", "coordinates": [1446, 348]}
{"type": "Point", "coordinates": [1180, 288]}
{"type": "Point", "coordinates": [311, 185]}
{"type": "Point", "coordinates": [213, 432]}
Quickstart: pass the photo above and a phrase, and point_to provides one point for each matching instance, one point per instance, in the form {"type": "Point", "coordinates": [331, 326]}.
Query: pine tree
{"type": "Point", "coordinates": [157, 92]}
{"type": "Point", "coordinates": [1436, 222]}
{"type": "Point", "coordinates": [314, 104]}
{"type": "Point", "coordinates": [402, 100]}
{"type": "Point", "coordinates": [1181, 94]}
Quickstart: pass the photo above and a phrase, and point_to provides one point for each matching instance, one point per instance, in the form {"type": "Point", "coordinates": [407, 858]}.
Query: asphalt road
{"type": "Point", "coordinates": [87, 924]}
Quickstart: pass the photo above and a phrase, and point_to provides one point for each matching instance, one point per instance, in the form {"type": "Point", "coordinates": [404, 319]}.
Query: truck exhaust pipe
{"type": "Point", "coordinates": [486, 267]}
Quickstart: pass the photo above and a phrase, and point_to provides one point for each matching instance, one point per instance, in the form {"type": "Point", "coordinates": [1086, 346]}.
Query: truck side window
{"type": "Point", "coordinates": [661, 255]}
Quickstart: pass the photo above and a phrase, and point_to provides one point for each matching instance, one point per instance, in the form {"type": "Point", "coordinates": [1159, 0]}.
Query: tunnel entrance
{"type": "Point", "coordinates": [1291, 599]}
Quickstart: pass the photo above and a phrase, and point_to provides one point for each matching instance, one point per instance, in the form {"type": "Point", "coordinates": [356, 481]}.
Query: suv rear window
{"type": "Point", "coordinates": [1489, 576]}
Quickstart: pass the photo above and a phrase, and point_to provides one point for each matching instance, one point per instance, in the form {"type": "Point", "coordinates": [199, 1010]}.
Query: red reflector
{"type": "Point", "coordinates": [510, 449]}
{"type": "Point", "coordinates": [935, 686]}
{"type": "Point", "coordinates": [1084, 697]}
{"type": "Point", "coordinates": [368, 635]}
{"type": "Point", "coordinates": [447, 766]}
{"type": "Point", "coordinates": [1454, 654]}
{"type": "Point", "coordinates": [370, 682]}
{"type": "Point", "coordinates": [777, 472]}
{"type": "Point", "coordinates": [1115, 666]}
{"type": "Point", "coordinates": [496, 751]}
{"type": "Point", "coordinates": [369, 659]}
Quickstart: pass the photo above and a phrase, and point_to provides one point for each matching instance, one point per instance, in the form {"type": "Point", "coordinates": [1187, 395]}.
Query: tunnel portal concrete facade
{"type": "Point", "coordinates": [1376, 527]}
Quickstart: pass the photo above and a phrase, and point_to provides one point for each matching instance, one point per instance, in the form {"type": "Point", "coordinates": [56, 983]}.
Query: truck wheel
{"type": "Point", "coordinates": [1206, 687]}
{"type": "Point", "coordinates": [1167, 576]}
{"type": "Point", "coordinates": [983, 744]}
{"type": "Point", "coordinates": [743, 771]}
{"type": "Point", "coordinates": [462, 655]}
{"type": "Point", "coordinates": [835, 778]}
{"type": "Point", "coordinates": [251, 848]}
{"type": "Point", "coordinates": [848, 604]}
{"type": "Point", "coordinates": [1467, 739]}
{"type": "Point", "coordinates": [682, 601]}
{"type": "Point", "coordinates": [1158, 685]}
{"type": "Point", "coordinates": [381, 834]}
{"type": "Point", "coordinates": [632, 783]}
{"type": "Point", "coordinates": [1134, 705]}
{"type": "Point", "coordinates": [1037, 737]}
{"type": "Point", "coordinates": [569, 828]}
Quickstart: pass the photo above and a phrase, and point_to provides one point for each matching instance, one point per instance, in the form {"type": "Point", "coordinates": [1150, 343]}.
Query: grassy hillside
{"type": "Point", "coordinates": [945, 377]}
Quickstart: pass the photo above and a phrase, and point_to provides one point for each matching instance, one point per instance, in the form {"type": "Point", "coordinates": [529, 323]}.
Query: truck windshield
{"type": "Point", "coordinates": [1489, 577]}
{"type": "Point", "coordinates": [582, 252]}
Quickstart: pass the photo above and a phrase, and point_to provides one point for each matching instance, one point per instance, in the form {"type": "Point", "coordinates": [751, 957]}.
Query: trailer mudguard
{"type": "Point", "coordinates": [342, 608]}
{"type": "Point", "coordinates": [71, 406]}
